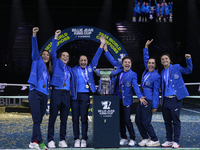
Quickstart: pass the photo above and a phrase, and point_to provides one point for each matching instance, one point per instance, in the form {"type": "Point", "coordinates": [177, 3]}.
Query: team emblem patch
{"type": "Point", "coordinates": [128, 84]}
{"type": "Point", "coordinates": [176, 76]}
{"type": "Point", "coordinates": [147, 83]}
{"type": "Point", "coordinates": [89, 69]}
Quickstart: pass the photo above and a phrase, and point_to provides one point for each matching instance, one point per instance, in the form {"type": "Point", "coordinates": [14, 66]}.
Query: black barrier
{"type": "Point", "coordinates": [106, 121]}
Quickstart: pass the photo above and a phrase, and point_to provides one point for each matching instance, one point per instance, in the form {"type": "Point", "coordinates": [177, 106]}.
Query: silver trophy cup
{"type": "Point", "coordinates": [105, 85]}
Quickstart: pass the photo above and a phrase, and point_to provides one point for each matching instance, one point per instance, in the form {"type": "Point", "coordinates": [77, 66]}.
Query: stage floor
{"type": "Point", "coordinates": [16, 130]}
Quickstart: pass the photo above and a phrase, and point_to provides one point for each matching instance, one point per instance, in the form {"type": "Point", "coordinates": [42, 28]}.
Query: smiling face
{"type": "Point", "coordinates": [165, 61]}
{"type": "Point", "coordinates": [64, 57]}
{"type": "Point", "coordinates": [45, 56]}
{"type": "Point", "coordinates": [151, 65]}
{"type": "Point", "coordinates": [126, 64]}
{"type": "Point", "coordinates": [83, 61]}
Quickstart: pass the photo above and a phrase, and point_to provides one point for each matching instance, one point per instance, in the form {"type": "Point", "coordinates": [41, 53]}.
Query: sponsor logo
{"type": "Point", "coordinates": [121, 56]}
{"type": "Point", "coordinates": [106, 104]}
{"type": "Point", "coordinates": [83, 32]}
{"type": "Point", "coordinates": [106, 111]}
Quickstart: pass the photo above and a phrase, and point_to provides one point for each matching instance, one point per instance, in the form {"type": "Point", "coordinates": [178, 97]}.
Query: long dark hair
{"type": "Point", "coordinates": [154, 60]}
{"type": "Point", "coordinates": [48, 64]}
{"type": "Point", "coordinates": [167, 56]}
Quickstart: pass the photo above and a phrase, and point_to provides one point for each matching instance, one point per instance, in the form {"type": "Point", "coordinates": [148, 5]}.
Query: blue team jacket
{"type": "Point", "coordinates": [176, 79]}
{"type": "Point", "coordinates": [152, 84]}
{"type": "Point", "coordinates": [142, 6]}
{"type": "Point", "coordinates": [137, 7]}
{"type": "Point", "coordinates": [147, 8]}
{"type": "Point", "coordinates": [157, 9]}
{"type": "Point", "coordinates": [90, 69]}
{"type": "Point", "coordinates": [38, 65]}
{"type": "Point", "coordinates": [128, 84]}
{"type": "Point", "coordinates": [166, 9]}
{"type": "Point", "coordinates": [59, 70]}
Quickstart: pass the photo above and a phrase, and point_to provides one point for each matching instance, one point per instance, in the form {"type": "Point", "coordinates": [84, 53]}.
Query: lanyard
{"type": "Point", "coordinates": [121, 78]}
{"type": "Point", "coordinates": [145, 78]}
{"type": "Point", "coordinates": [166, 77]}
{"type": "Point", "coordinates": [84, 75]}
{"type": "Point", "coordinates": [44, 76]}
{"type": "Point", "coordinates": [67, 74]}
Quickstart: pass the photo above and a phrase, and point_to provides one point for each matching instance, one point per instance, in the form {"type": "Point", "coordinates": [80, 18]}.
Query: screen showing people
{"type": "Point", "coordinates": [152, 11]}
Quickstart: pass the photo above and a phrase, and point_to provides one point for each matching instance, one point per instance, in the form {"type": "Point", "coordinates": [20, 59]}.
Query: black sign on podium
{"type": "Point", "coordinates": [106, 121]}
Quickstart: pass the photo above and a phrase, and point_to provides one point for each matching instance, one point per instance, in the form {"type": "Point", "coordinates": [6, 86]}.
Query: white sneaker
{"type": "Point", "coordinates": [123, 142]}
{"type": "Point", "coordinates": [51, 144]}
{"type": "Point", "coordinates": [153, 143]}
{"type": "Point", "coordinates": [62, 144]}
{"type": "Point", "coordinates": [83, 143]}
{"type": "Point", "coordinates": [34, 145]}
{"type": "Point", "coordinates": [175, 145]}
{"type": "Point", "coordinates": [131, 143]}
{"type": "Point", "coordinates": [167, 144]}
{"type": "Point", "coordinates": [77, 143]}
{"type": "Point", "coordinates": [143, 142]}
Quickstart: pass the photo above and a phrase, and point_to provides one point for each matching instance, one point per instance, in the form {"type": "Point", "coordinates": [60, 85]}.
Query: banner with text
{"type": "Point", "coordinates": [88, 33]}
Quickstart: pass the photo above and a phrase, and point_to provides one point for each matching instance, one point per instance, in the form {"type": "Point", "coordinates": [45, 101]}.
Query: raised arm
{"type": "Point", "coordinates": [146, 53]}
{"type": "Point", "coordinates": [110, 57]}
{"type": "Point", "coordinates": [156, 3]}
{"type": "Point", "coordinates": [35, 51]}
{"type": "Point", "coordinates": [189, 67]}
{"type": "Point", "coordinates": [54, 46]}
{"type": "Point", "coordinates": [98, 53]}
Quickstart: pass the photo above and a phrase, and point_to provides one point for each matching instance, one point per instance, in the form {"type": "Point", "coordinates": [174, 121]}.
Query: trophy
{"type": "Point", "coordinates": [105, 84]}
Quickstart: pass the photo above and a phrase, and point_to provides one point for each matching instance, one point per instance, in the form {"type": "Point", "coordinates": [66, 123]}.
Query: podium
{"type": "Point", "coordinates": [106, 121]}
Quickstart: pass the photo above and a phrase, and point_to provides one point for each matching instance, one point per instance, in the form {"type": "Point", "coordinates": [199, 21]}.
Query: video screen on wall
{"type": "Point", "coordinates": [152, 11]}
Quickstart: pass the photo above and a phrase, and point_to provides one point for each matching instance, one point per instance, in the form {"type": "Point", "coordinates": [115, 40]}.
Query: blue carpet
{"type": "Point", "coordinates": [16, 130]}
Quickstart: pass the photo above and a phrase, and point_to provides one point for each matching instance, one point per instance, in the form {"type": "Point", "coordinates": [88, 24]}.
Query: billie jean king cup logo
{"type": "Point", "coordinates": [106, 104]}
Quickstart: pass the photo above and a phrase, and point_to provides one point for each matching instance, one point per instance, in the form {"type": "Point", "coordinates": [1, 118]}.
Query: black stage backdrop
{"type": "Point", "coordinates": [19, 17]}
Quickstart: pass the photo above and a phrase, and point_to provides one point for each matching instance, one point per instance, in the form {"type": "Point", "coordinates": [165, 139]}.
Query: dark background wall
{"type": "Point", "coordinates": [18, 17]}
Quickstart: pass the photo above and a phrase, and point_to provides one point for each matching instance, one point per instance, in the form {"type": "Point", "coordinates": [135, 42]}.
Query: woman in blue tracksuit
{"type": "Point", "coordinates": [84, 82]}
{"type": "Point", "coordinates": [62, 88]}
{"type": "Point", "coordinates": [147, 10]}
{"type": "Point", "coordinates": [38, 93]}
{"type": "Point", "coordinates": [137, 11]}
{"type": "Point", "coordinates": [124, 80]}
{"type": "Point", "coordinates": [173, 91]}
{"type": "Point", "coordinates": [150, 86]}
{"type": "Point", "coordinates": [158, 11]}
{"type": "Point", "coordinates": [165, 12]}
{"type": "Point", "coordinates": [142, 11]}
